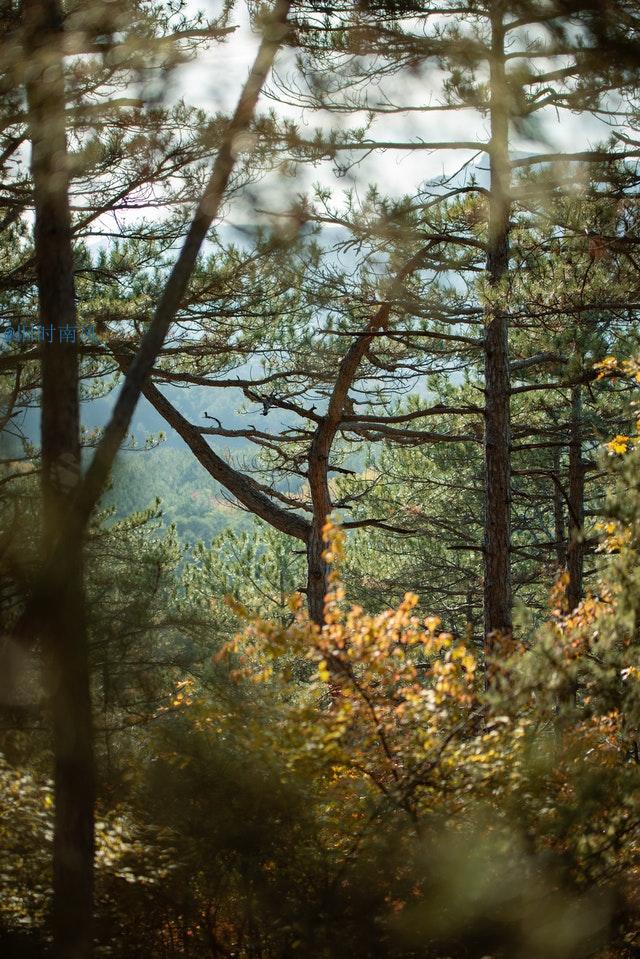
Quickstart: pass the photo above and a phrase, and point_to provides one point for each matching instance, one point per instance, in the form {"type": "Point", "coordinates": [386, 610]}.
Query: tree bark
{"type": "Point", "coordinates": [575, 551]}
{"type": "Point", "coordinates": [558, 512]}
{"type": "Point", "coordinates": [497, 540]}
{"type": "Point", "coordinates": [63, 626]}
{"type": "Point", "coordinates": [317, 568]}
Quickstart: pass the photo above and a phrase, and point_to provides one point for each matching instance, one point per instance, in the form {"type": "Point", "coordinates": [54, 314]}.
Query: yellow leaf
{"type": "Point", "coordinates": [618, 445]}
{"type": "Point", "coordinates": [323, 673]}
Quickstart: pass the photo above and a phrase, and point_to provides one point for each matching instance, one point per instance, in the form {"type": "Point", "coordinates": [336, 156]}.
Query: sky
{"type": "Point", "coordinates": [215, 78]}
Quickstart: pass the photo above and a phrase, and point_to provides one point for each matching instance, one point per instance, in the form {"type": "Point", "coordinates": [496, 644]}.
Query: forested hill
{"type": "Point", "coordinates": [189, 498]}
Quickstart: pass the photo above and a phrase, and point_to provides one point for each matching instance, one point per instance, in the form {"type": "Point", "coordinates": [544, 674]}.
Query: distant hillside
{"type": "Point", "coordinates": [190, 497]}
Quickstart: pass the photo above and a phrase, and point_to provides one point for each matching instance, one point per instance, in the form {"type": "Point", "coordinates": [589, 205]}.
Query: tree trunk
{"type": "Point", "coordinates": [558, 512]}
{"type": "Point", "coordinates": [497, 540]}
{"type": "Point", "coordinates": [317, 569]}
{"type": "Point", "coordinates": [575, 551]}
{"type": "Point", "coordinates": [64, 631]}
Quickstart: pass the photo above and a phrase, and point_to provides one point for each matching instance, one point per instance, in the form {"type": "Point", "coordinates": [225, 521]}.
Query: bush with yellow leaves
{"type": "Point", "coordinates": [537, 776]}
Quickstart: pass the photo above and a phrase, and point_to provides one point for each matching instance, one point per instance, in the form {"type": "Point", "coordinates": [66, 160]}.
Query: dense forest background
{"type": "Point", "coordinates": [319, 495]}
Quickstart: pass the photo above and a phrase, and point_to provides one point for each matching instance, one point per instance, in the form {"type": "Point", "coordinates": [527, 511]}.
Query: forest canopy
{"type": "Point", "coordinates": [319, 479]}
